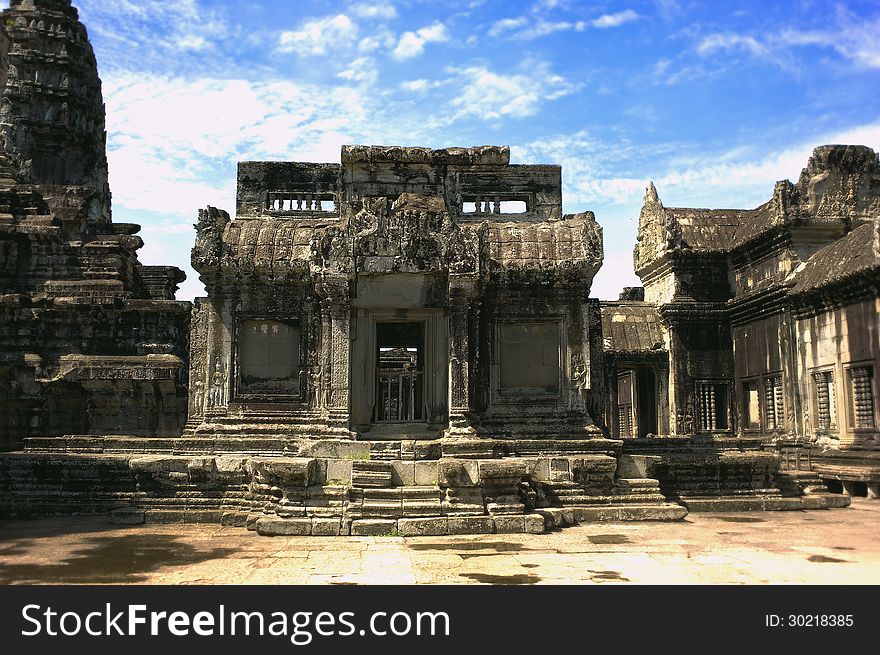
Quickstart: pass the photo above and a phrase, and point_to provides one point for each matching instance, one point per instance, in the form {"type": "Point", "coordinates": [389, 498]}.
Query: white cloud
{"type": "Point", "coordinates": [362, 71]}
{"type": "Point", "coordinates": [535, 26]}
{"type": "Point", "coordinates": [507, 24]}
{"type": "Point", "coordinates": [544, 28]}
{"type": "Point", "coordinates": [420, 85]}
{"type": "Point", "coordinates": [853, 38]}
{"type": "Point", "coordinates": [489, 95]}
{"type": "Point", "coordinates": [319, 35]}
{"type": "Point", "coordinates": [614, 20]}
{"type": "Point", "coordinates": [715, 42]}
{"type": "Point", "coordinates": [140, 32]}
{"type": "Point", "coordinates": [412, 44]}
{"type": "Point", "coordinates": [374, 10]}
{"type": "Point", "coordinates": [382, 38]}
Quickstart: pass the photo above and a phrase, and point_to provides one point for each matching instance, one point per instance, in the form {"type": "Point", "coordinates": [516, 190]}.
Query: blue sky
{"type": "Point", "coordinates": [715, 101]}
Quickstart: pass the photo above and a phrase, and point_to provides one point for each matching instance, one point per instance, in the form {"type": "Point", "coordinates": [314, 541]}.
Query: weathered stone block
{"type": "Point", "coordinates": [434, 526]}
{"type": "Point", "coordinates": [326, 527]}
{"type": "Point", "coordinates": [540, 469]}
{"type": "Point", "coordinates": [502, 471]}
{"type": "Point", "coordinates": [471, 525]}
{"type": "Point", "coordinates": [373, 527]}
{"type": "Point", "coordinates": [338, 472]}
{"type": "Point", "coordinates": [271, 526]}
{"type": "Point", "coordinates": [427, 450]}
{"type": "Point", "coordinates": [284, 471]}
{"type": "Point", "coordinates": [510, 524]}
{"type": "Point", "coordinates": [456, 473]}
{"type": "Point", "coordinates": [425, 473]}
{"type": "Point", "coordinates": [403, 473]}
{"type": "Point", "coordinates": [234, 519]}
{"type": "Point", "coordinates": [560, 470]}
{"type": "Point", "coordinates": [534, 524]}
{"type": "Point", "coordinates": [463, 501]}
{"type": "Point", "coordinates": [333, 449]}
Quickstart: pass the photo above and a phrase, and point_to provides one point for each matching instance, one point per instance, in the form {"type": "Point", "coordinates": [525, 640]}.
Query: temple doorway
{"type": "Point", "coordinates": [400, 372]}
{"type": "Point", "coordinates": [637, 403]}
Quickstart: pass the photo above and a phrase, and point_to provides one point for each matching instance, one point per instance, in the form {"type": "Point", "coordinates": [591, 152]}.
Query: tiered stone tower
{"type": "Point", "coordinates": [91, 341]}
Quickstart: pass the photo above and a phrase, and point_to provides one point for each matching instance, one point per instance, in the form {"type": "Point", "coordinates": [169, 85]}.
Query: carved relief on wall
{"type": "Point", "coordinates": [217, 394]}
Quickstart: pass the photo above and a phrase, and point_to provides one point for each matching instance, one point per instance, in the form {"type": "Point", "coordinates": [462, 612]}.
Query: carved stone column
{"type": "Point", "coordinates": [337, 341]}
{"type": "Point", "coordinates": [462, 310]}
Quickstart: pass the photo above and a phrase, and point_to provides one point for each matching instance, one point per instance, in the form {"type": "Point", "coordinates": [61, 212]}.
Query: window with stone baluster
{"type": "Point", "coordinates": [824, 401]}
{"type": "Point", "coordinates": [860, 385]}
{"type": "Point", "coordinates": [713, 403]}
{"type": "Point", "coordinates": [774, 403]}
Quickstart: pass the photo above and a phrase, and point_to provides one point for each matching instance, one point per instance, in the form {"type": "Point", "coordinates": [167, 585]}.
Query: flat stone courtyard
{"type": "Point", "coordinates": [818, 547]}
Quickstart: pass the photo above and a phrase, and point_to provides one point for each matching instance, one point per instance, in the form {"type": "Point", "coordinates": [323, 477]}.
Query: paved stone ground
{"type": "Point", "coordinates": [818, 547]}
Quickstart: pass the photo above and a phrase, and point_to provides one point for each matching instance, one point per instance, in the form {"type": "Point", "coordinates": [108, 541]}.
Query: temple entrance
{"type": "Point", "coordinates": [636, 403]}
{"type": "Point", "coordinates": [400, 372]}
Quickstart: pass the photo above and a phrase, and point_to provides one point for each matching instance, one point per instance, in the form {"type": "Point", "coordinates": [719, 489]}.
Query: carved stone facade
{"type": "Point", "coordinates": [91, 341]}
{"type": "Point", "coordinates": [770, 318]}
{"type": "Point", "coordinates": [404, 342]}
{"type": "Point", "coordinates": [402, 239]}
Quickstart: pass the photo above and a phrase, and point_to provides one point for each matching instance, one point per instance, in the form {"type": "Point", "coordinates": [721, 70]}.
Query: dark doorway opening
{"type": "Point", "coordinates": [648, 398]}
{"type": "Point", "coordinates": [637, 403]}
{"type": "Point", "coordinates": [400, 371]}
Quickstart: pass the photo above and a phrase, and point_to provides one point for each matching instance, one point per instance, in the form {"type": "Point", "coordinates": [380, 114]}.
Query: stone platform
{"type": "Point", "coordinates": [332, 487]}
{"type": "Point", "coordinates": [318, 487]}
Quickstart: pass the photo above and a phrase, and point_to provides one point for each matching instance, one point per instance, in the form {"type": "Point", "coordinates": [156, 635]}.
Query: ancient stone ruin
{"type": "Point", "coordinates": [404, 342]}
{"type": "Point", "coordinates": [91, 341]}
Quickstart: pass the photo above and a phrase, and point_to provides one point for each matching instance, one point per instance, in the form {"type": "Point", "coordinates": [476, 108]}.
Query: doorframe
{"type": "Point", "coordinates": [436, 366]}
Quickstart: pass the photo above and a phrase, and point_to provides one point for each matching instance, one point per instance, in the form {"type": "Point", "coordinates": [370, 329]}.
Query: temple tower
{"type": "Point", "coordinates": [52, 114]}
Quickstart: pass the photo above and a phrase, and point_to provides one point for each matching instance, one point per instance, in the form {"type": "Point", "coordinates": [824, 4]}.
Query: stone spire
{"type": "Point", "coordinates": [52, 130]}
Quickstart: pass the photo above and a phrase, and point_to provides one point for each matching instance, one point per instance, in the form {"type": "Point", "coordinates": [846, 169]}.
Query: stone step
{"type": "Point", "coordinates": [374, 474]}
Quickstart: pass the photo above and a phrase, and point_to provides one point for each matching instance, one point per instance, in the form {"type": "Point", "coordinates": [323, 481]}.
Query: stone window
{"type": "Point", "coordinates": [625, 391]}
{"type": "Point", "coordinates": [495, 204]}
{"type": "Point", "coordinates": [529, 357]}
{"type": "Point", "coordinates": [861, 397]}
{"type": "Point", "coordinates": [712, 400]}
{"type": "Point", "coordinates": [285, 202]}
{"type": "Point", "coordinates": [268, 358]}
{"type": "Point", "coordinates": [751, 406]}
{"type": "Point", "coordinates": [825, 400]}
{"type": "Point", "coordinates": [774, 404]}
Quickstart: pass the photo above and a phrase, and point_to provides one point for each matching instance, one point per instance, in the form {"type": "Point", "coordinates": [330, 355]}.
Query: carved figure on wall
{"type": "Point", "coordinates": [198, 397]}
{"type": "Point", "coordinates": [580, 380]}
{"type": "Point", "coordinates": [314, 397]}
{"type": "Point", "coordinates": [217, 397]}
{"type": "Point", "coordinates": [686, 421]}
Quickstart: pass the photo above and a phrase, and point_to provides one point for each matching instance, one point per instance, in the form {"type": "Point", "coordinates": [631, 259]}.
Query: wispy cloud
{"type": "Point", "coordinates": [614, 20]}
{"type": "Point", "coordinates": [488, 95]}
{"type": "Point", "coordinates": [374, 10]}
{"type": "Point", "coordinates": [854, 39]}
{"type": "Point", "coordinates": [536, 25]}
{"type": "Point", "coordinates": [319, 36]}
{"type": "Point", "coordinates": [362, 70]}
{"type": "Point", "coordinates": [412, 44]}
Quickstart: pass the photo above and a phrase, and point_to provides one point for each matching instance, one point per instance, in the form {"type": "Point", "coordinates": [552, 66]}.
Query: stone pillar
{"type": "Point", "coordinates": [462, 296]}
{"type": "Point", "coordinates": [338, 341]}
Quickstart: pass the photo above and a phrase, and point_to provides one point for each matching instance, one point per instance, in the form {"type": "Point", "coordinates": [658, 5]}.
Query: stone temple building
{"type": "Point", "coordinates": [91, 341]}
{"type": "Point", "coordinates": [404, 342]}
{"type": "Point", "coordinates": [761, 325]}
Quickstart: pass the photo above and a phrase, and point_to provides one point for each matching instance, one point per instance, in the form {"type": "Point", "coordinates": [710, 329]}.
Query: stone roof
{"type": "Point", "coordinates": [840, 184]}
{"type": "Point", "coordinates": [858, 253]}
{"type": "Point", "coordinates": [707, 229]}
{"type": "Point", "coordinates": [521, 243]}
{"type": "Point", "coordinates": [631, 327]}
{"type": "Point", "coordinates": [269, 243]}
